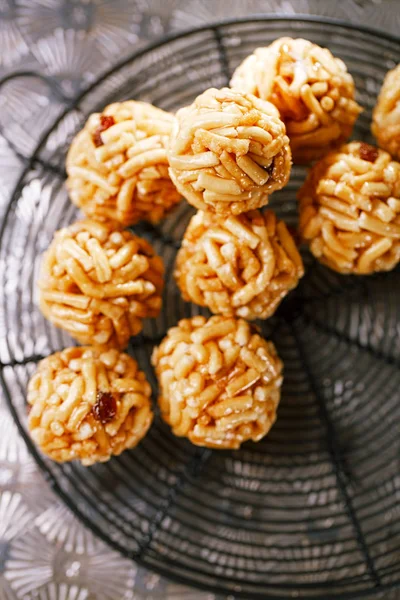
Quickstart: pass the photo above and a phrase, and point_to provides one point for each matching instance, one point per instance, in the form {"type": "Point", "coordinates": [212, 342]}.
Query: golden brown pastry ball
{"type": "Point", "coordinates": [219, 381]}
{"type": "Point", "coordinates": [87, 405]}
{"type": "Point", "coordinates": [228, 152]}
{"type": "Point", "coordinates": [98, 282]}
{"type": "Point", "coordinates": [386, 115]}
{"type": "Point", "coordinates": [238, 266]}
{"type": "Point", "coordinates": [350, 210]}
{"type": "Point", "coordinates": [311, 88]}
{"type": "Point", "coordinates": [117, 165]}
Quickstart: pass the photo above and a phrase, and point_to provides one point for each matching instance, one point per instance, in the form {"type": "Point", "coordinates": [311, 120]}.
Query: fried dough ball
{"type": "Point", "coordinates": [86, 405]}
{"type": "Point", "coordinates": [310, 87]}
{"type": "Point", "coordinates": [238, 266]}
{"type": "Point", "coordinates": [117, 165]}
{"type": "Point", "coordinates": [350, 210]}
{"type": "Point", "coordinates": [228, 152]}
{"type": "Point", "coordinates": [98, 282]}
{"type": "Point", "coordinates": [219, 381]}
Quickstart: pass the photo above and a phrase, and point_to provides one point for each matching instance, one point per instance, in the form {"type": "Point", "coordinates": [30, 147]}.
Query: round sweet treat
{"type": "Point", "coordinates": [238, 266]}
{"type": "Point", "coordinates": [98, 282]}
{"type": "Point", "coordinates": [350, 210]}
{"type": "Point", "coordinates": [219, 381]}
{"type": "Point", "coordinates": [386, 115]}
{"type": "Point", "coordinates": [311, 88]}
{"type": "Point", "coordinates": [228, 152]}
{"type": "Point", "coordinates": [117, 165]}
{"type": "Point", "coordinates": [86, 405]}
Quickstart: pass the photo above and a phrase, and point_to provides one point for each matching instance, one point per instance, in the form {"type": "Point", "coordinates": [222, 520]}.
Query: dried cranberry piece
{"type": "Point", "coordinates": [368, 152]}
{"type": "Point", "coordinates": [105, 123]}
{"type": "Point", "coordinates": [105, 408]}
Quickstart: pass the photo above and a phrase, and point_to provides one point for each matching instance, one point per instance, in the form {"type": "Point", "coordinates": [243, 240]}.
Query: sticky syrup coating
{"type": "Point", "coordinates": [386, 116]}
{"type": "Point", "coordinates": [219, 381]}
{"type": "Point", "coordinates": [98, 282]}
{"type": "Point", "coordinates": [229, 151]}
{"type": "Point", "coordinates": [88, 405]}
{"type": "Point", "coordinates": [350, 210]}
{"type": "Point", "coordinates": [117, 164]}
{"type": "Point", "coordinates": [238, 266]}
{"type": "Point", "coordinates": [311, 88]}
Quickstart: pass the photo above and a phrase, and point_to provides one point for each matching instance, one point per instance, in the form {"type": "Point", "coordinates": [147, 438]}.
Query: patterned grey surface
{"type": "Point", "coordinates": [44, 552]}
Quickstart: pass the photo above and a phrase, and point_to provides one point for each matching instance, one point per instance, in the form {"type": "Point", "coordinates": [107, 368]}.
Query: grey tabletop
{"type": "Point", "coordinates": [44, 551]}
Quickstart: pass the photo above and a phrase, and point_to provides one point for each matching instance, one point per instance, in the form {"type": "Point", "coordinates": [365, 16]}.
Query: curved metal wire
{"type": "Point", "coordinates": [303, 512]}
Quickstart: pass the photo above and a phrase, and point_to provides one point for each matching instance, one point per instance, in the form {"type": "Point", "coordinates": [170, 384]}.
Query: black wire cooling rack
{"type": "Point", "coordinates": [313, 510]}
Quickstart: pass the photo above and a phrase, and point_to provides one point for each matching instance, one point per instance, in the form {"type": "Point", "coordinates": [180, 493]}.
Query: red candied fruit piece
{"type": "Point", "coordinates": [105, 123]}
